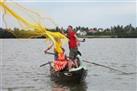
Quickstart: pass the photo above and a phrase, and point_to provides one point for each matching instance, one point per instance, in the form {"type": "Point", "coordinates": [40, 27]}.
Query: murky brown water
{"type": "Point", "coordinates": [20, 61]}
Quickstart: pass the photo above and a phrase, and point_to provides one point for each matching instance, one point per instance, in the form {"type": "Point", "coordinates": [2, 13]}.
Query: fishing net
{"type": "Point", "coordinates": [29, 21]}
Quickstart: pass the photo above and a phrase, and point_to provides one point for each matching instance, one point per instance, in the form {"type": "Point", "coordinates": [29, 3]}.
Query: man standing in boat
{"type": "Point", "coordinates": [73, 44]}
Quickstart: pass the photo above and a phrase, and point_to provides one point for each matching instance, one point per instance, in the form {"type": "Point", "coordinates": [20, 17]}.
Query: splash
{"type": "Point", "coordinates": [37, 28]}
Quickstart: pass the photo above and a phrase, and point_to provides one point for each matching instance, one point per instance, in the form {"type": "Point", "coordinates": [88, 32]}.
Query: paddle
{"type": "Point", "coordinates": [79, 53]}
{"type": "Point", "coordinates": [45, 64]}
{"type": "Point", "coordinates": [49, 53]}
{"type": "Point", "coordinates": [107, 67]}
{"type": "Point", "coordinates": [97, 65]}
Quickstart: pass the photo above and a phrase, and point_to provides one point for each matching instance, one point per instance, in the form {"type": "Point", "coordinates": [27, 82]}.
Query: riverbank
{"type": "Point", "coordinates": [98, 36]}
{"type": "Point", "coordinates": [107, 36]}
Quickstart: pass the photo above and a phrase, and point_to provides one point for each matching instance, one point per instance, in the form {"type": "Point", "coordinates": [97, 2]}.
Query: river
{"type": "Point", "coordinates": [21, 58]}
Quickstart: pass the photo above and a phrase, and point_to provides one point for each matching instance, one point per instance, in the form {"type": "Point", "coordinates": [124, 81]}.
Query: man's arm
{"type": "Point", "coordinates": [49, 48]}
{"type": "Point", "coordinates": [79, 40]}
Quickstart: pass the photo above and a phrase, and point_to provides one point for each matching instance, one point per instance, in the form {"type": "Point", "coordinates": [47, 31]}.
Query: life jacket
{"type": "Point", "coordinates": [61, 57]}
{"type": "Point", "coordinates": [61, 62]}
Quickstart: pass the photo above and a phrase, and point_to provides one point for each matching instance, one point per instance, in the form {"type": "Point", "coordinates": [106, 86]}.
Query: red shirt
{"type": "Point", "coordinates": [72, 39]}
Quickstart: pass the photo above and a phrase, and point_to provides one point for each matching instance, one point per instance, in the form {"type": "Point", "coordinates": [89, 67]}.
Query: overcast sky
{"type": "Point", "coordinates": [84, 13]}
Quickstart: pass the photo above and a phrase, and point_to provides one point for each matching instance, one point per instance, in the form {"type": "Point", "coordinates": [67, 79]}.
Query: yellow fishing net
{"type": "Point", "coordinates": [37, 28]}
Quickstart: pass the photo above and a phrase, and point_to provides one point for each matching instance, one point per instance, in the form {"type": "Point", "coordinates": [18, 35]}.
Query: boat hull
{"type": "Point", "coordinates": [69, 76]}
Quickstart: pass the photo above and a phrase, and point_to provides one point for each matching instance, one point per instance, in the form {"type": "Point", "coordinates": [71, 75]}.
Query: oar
{"type": "Point", "coordinates": [49, 53]}
{"type": "Point", "coordinates": [107, 67]}
{"type": "Point", "coordinates": [45, 64]}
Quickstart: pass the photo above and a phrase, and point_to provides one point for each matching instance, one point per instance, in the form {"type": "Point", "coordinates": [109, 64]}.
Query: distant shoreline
{"type": "Point", "coordinates": [106, 36]}
{"type": "Point", "coordinates": [97, 36]}
{"type": "Point", "coordinates": [88, 36]}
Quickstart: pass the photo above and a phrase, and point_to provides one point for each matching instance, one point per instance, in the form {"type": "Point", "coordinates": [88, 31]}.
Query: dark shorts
{"type": "Point", "coordinates": [73, 53]}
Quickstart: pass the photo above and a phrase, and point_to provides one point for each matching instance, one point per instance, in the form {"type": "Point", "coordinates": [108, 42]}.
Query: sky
{"type": "Point", "coordinates": [89, 13]}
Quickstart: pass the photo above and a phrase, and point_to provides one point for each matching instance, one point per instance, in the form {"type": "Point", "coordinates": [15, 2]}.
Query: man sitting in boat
{"type": "Point", "coordinates": [61, 63]}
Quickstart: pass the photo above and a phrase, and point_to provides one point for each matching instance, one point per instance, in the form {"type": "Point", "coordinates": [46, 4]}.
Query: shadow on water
{"type": "Point", "coordinates": [64, 86]}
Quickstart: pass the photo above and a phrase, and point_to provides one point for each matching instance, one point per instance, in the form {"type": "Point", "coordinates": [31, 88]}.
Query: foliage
{"type": "Point", "coordinates": [120, 31]}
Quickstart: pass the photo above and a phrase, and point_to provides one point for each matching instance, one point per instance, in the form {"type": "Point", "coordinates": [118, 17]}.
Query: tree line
{"type": "Point", "coordinates": [118, 31]}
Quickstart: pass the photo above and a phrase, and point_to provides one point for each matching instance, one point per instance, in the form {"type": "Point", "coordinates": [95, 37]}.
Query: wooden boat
{"type": "Point", "coordinates": [72, 75]}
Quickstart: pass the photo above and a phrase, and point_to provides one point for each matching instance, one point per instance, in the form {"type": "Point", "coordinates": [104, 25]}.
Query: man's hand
{"type": "Point", "coordinates": [45, 51]}
{"type": "Point", "coordinates": [83, 40]}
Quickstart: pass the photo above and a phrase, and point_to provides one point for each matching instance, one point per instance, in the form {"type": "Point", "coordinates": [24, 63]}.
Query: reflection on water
{"type": "Point", "coordinates": [56, 86]}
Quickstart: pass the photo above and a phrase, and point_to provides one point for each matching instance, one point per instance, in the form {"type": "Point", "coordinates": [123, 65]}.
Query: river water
{"type": "Point", "coordinates": [21, 58]}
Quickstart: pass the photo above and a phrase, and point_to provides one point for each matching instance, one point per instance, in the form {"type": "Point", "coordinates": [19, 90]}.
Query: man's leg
{"type": "Point", "coordinates": [71, 54]}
